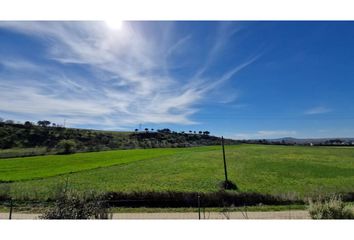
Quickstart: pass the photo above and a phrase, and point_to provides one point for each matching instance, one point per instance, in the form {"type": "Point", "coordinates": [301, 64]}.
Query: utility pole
{"type": "Point", "coordinates": [223, 153]}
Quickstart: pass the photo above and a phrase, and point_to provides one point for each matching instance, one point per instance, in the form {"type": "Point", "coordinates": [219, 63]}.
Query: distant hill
{"type": "Point", "coordinates": [306, 141]}
{"type": "Point", "coordinates": [59, 139]}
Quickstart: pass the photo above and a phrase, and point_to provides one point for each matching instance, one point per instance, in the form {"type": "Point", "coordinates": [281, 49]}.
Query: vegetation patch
{"type": "Point", "coordinates": [50, 138]}
{"type": "Point", "coordinates": [24, 152]}
{"type": "Point", "coordinates": [71, 205]}
{"type": "Point", "coordinates": [332, 208]}
{"type": "Point", "coordinates": [228, 185]}
{"type": "Point", "coordinates": [183, 199]}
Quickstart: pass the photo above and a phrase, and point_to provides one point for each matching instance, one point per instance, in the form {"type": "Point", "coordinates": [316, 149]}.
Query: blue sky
{"type": "Point", "coordinates": [237, 79]}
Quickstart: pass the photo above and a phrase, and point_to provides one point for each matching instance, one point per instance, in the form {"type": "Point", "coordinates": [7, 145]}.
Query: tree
{"type": "Point", "coordinates": [206, 133]}
{"type": "Point", "coordinates": [136, 130]}
{"type": "Point", "coordinates": [165, 130]}
{"type": "Point", "coordinates": [28, 124]}
{"type": "Point", "coordinates": [66, 146]}
{"type": "Point", "coordinates": [190, 131]}
{"type": "Point", "coordinates": [43, 123]}
{"type": "Point", "coordinates": [10, 121]}
{"type": "Point", "coordinates": [200, 132]}
{"type": "Point", "coordinates": [146, 129]}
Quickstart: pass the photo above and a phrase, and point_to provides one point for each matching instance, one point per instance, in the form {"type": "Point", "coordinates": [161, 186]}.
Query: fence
{"type": "Point", "coordinates": [193, 206]}
{"type": "Point", "coordinates": [226, 204]}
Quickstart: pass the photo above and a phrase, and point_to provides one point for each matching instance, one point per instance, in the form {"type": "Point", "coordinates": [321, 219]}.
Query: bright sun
{"type": "Point", "coordinates": [114, 24]}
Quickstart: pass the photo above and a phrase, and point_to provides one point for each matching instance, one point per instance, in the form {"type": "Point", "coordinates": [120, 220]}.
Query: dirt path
{"type": "Point", "coordinates": [296, 214]}
{"type": "Point", "coordinates": [216, 215]}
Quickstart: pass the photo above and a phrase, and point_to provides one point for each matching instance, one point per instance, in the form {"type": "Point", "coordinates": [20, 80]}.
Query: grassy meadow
{"type": "Point", "coordinates": [287, 170]}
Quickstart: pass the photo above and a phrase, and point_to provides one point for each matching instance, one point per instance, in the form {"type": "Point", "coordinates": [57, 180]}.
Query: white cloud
{"type": "Point", "coordinates": [18, 65]}
{"type": "Point", "coordinates": [265, 134]}
{"type": "Point", "coordinates": [317, 110]}
{"type": "Point", "coordinates": [126, 82]}
{"type": "Point", "coordinates": [224, 33]}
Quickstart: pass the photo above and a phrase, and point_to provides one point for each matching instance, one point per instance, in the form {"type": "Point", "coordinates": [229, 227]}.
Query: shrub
{"type": "Point", "coordinates": [4, 192]}
{"type": "Point", "coordinates": [228, 185]}
{"type": "Point", "coordinates": [190, 199]}
{"type": "Point", "coordinates": [66, 146]}
{"type": "Point", "coordinates": [332, 208]}
{"type": "Point", "coordinates": [75, 206]}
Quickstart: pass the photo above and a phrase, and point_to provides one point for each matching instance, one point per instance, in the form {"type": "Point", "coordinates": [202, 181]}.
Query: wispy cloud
{"type": "Point", "coordinates": [267, 134]}
{"type": "Point", "coordinates": [123, 80]}
{"type": "Point", "coordinates": [222, 36]}
{"type": "Point", "coordinates": [318, 110]}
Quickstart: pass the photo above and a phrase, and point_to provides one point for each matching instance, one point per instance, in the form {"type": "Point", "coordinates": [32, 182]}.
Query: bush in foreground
{"type": "Point", "coordinates": [333, 208]}
{"type": "Point", "coordinates": [75, 206]}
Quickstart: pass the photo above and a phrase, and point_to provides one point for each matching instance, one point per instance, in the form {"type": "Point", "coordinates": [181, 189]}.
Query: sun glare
{"type": "Point", "coordinates": [114, 24]}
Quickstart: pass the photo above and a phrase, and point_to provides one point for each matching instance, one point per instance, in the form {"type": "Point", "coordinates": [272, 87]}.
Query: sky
{"type": "Point", "coordinates": [242, 80]}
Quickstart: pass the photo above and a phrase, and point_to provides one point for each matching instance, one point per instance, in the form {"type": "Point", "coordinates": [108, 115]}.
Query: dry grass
{"type": "Point", "coordinates": [332, 208]}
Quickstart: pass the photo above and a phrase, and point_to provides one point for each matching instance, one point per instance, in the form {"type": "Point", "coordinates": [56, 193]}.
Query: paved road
{"type": "Point", "coordinates": [296, 214]}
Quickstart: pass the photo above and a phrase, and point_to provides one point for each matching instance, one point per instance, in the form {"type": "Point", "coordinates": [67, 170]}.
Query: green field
{"type": "Point", "coordinates": [293, 170]}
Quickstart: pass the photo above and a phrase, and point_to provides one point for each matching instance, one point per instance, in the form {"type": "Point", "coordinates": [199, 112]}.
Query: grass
{"type": "Point", "coordinates": [281, 170]}
{"type": "Point", "coordinates": [17, 169]}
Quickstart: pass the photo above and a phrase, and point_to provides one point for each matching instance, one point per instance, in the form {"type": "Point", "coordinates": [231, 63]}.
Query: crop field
{"type": "Point", "coordinates": [293, 170]}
